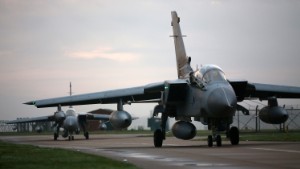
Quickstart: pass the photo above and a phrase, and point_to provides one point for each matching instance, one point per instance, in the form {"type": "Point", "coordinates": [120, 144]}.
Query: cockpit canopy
{"type": "Point", "coordinates": [71, 112]}
{"type": "Point", "coordinates": [210, 73]}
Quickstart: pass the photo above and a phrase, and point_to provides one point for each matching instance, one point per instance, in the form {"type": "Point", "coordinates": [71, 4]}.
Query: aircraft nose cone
{"type": "Point", "coordinates": [70, 123]}
{"type": "Point", "coordinates": [222, 102]}
{"type": "Point", "coordinates": [59, 116]}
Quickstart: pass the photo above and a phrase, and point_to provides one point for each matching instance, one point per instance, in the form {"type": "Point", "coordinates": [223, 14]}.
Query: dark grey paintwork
{"type": "Point", "coordinates": [69, 121]}
{"type": "Point", "coordinates": [141, 93]}
{"type": "Point", "coordinates": [203, 94]}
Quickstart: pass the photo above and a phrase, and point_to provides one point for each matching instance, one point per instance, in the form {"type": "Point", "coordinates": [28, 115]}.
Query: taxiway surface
{"type": "Point", "coordinates": [139, 150]}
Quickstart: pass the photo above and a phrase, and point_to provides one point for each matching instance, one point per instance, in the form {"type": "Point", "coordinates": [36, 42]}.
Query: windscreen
{"type": "Point", "coordinates": [70, 112]}
{"type": "Point", "coordinates": [212, 73]}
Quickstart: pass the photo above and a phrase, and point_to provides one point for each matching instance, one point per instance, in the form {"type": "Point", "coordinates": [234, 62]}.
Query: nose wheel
{"type": "Point", "coordinates": [71, 138]}
{"type": "Point", "coordinates": [219, 140]}
{"type": "Point", "coordinates": [210, 141]}
{"type": "Point", "coordinates": [216, 138]}
{"type": "Point", "coordinates": [55, 136]}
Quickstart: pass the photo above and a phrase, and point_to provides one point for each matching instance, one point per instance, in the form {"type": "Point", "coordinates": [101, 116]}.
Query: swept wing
{"type": "Point", "coordinates": [152, 92]}
{"type": "Point", "coordinates": [35, 119]}
{"type": "Point", "coordinates": [246, 90]}
{"type": "Point", "coordinates": [99, 114]}
{"type": "Point", "coordinates": [134, 94]}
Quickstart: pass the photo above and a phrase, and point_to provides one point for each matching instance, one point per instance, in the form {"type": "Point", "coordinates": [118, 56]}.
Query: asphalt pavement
{"type": "Point", "coordinates": [175, 153]}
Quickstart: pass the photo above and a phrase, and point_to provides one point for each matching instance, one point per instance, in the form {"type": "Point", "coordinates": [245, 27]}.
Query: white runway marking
{"type": "Point", "coordinates": [171, 161]}
{"type": "Point", "coordinates": [278, 150]}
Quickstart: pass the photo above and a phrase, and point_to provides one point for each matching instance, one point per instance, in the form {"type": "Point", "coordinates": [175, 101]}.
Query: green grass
{"type": "Point", "coordinates": [270, 136]}
{"type": "Point", "coordinates": [13, 156]}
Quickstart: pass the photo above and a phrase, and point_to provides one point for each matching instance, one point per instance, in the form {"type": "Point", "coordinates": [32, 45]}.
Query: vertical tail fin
{"type": "Point", "coordinates": [183, 62]}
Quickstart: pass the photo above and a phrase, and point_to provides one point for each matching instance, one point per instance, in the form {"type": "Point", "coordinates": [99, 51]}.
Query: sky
{"type": "Point", "coordinates": [100, 45]}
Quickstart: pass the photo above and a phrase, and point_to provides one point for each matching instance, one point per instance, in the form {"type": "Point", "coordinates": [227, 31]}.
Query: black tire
{"type": "Point", "coordinates": [219, 140]}
{"type": "Point", "coordinates": [72, 137]}
{"type": "Point", "coordinates": [234, 135]}
{"type": "Point", "coordinates": [55, 136]}
{"type": "Point", "coordinates": [86, 134]}
{"type": "Point", "coordinates": [158, 138]}
{"type": "Point", "coordinates": [69, 138]}
{"type": "Point", "coordinates": [210, 141]}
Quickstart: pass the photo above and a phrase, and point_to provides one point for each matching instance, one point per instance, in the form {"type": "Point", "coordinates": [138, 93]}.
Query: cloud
{"type": "Point", "coordinates": [104, 53]}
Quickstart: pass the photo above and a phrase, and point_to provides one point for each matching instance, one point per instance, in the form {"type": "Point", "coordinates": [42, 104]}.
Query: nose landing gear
{"type": "Point", "coordinates": [71, 137]}
{"type": "Point", "coordinates": [232, 134]}
{"type": "Point", "coordinates": [214, 138]}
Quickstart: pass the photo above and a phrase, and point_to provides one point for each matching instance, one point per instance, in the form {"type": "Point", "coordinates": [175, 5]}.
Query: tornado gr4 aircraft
{"type": "Point", "coordinates": [72, 123]}
{"type": "Point", "coordinates": [203, 95]}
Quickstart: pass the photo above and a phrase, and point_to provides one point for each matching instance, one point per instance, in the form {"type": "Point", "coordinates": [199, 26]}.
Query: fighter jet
{"type": "Point", "coordinates": [72, 122]}
{"type": "Point", "coordinates": [203, 95]}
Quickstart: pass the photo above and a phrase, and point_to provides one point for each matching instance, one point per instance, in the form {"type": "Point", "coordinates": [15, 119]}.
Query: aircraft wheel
{"type": "Point", "coordinates": [158, 138]}
{"type": "Point", "coordinates": [234, 135]}
{"type": "Point", "coordinates": [77, 131]}
{"type": "Point", "coordinates": [69, 138]}
{"type": "Point", "coordinates": [86, 134]}
{"type": "Point", "coordinates": [55, 136]}
{"type": "Point", "coordinates": [210, 141]}
{"type": "Point", "coordinates": [72, 137]}
{"type": "Point", "coordinates": [219, 141]}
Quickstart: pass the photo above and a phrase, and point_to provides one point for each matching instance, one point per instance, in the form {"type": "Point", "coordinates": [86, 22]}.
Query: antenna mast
{"type": "Point", "coordinates": [70, 93]}
{"type": "Point", "coordinates": [70, 89]}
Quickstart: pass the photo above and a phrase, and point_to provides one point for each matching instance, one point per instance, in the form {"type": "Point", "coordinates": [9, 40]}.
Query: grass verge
{"type": "Point", "coordinates": [15, 156]}
{"type": "Point", "coordinates": [270, 136]}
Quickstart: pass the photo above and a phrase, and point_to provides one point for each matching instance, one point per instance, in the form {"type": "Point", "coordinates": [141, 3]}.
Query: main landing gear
{"type": "Point", "coordinates": [86, 135]}
{"type": "Point", "coordinates": [158, 138]}
{"type": "Point", "coordinates": [233, 135]}
{"type": "Point", "coordinates": [55, 136]}
{"type": "Point", "coordinates": [56, 133]}
{"type": "Point", "coordinates": [160, 134]}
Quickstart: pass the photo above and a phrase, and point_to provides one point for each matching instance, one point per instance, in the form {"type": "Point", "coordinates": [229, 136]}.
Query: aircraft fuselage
{"type": "Point", "coordinates": [71, 124]}
{"type": "Point", "coordinates": [208, 96]}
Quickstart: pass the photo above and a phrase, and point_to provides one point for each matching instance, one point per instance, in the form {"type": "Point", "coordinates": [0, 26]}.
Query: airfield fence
{"type": "Point", "coordinates": [252, 122]}
{"type": "Point", "coordinates": [6, 127]}
{"type": "Point", "coordinates": [24, 127]}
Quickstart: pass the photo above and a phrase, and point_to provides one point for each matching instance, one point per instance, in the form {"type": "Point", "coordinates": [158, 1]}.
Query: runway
{"type": "Point", "coordinates": [175, 153]}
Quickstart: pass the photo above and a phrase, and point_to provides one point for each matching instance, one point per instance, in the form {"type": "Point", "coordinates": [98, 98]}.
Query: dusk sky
{"type": "Point", "coordinates": [109, 44]}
